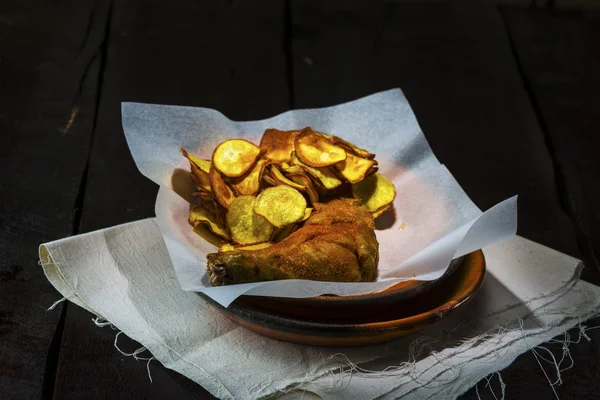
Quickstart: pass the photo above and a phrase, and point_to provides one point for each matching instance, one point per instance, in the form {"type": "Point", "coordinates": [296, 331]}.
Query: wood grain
{"type": "Point", "coordinates": [224, 55]}
{"type": "Point", "coordinates": [455, 66]}
{"type": "Point", "coordinates": [560, 56]}
{"type": "Point", "coordinates": [459, 73]}
{"type": "Point", "coordinates": [508, 101]}
{"type": "Point", "coordinates": [48, 82]}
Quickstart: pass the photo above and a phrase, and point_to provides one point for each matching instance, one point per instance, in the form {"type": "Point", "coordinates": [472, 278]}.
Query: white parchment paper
{"type": "Point", "coordinates": [433, 220]}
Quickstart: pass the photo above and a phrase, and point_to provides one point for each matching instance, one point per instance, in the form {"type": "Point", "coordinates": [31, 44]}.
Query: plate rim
{"type": "Point", "coordinates": [397, 292]}
{"type": "Point", "coordinates": [268, 320]}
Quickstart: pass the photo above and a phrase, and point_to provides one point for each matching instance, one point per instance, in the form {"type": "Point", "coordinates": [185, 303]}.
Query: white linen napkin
{"type": "Point", "coordinates": [124, 275]}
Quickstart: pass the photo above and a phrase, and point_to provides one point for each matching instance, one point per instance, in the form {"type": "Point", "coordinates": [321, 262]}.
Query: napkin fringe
{"type": "Point", "coordinates": [135, 355]}
{"type": "Point", "coordinates": [57, 302]}
{"type": "Point", "coordinates": [54, 274]}
{"type": "Point", "coordinates": [101, 323]}
{"type": "Point", "coordinates": [341, 375]}
{"type": "Point", "coordinates": [338, 370]}
{"type": "Point", "coordinates": [489, 385]}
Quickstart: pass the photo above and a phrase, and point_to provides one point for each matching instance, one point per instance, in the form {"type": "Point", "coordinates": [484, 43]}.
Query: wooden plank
{"type": "Point", "coordinates": [560, 57]}
{"type": "Point", "coordinates": [225, 55]}
{"type": "Point", "coordinates": [455, 66]}
{"type": "Point", "coordinates": [48, 81]}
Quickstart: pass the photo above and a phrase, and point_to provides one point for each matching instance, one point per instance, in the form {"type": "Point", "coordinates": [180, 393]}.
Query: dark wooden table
{"type": "Point", "coordinates": [509, 99]}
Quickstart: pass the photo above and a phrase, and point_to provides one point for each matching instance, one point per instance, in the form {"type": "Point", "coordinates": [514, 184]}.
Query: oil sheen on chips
{"type": "Point", "coordinates": [253, 196]}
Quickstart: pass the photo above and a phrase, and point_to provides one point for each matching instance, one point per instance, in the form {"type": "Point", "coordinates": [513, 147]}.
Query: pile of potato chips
{"type": "Point", "coordinates": [254, 196]}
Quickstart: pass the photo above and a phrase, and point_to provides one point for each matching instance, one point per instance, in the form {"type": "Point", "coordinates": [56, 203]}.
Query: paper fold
{"type": "Point", "coordinates": [433, 220]}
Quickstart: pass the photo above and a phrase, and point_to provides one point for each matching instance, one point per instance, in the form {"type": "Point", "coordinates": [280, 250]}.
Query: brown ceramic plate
{"type": "Point", "coordinates": [381, 322]}
{"type": "Point", "coordinates": [341, 308]}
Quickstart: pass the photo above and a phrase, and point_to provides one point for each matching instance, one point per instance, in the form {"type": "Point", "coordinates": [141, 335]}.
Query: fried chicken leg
{"type": "Point", "coordinates": [337, 243]}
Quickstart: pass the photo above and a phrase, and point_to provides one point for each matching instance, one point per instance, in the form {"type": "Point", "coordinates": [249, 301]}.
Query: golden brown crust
{"type": "Point", "coordinates": [337, 243]}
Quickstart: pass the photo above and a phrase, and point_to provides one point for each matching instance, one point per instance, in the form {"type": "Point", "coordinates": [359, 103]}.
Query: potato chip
{"type": "Point", "coordinates": [221, 213]}
{"type": "Point", "coordinates": [374, 192]}
{"type": "Point", "coordinates": [207, 201]}
{"type": "Point", "coordinates": [309, 188]}
{"type": "Point", "coordinates": [378, 213]}
{"type": "Point", "coordinates": [269, 180]}
{"type": "Point", "coordinates": [226, 246]}
{"type": "Point", "coordinates": [200, 215]}
{"type": "Point", "coordinates": [307, 214]}
{"type": "Point", "coordinates": [316, 151]}
{"type": "Point", "coordinates": [204, 165]}
{"type": "Point", "coordinates": [245, 225]}
{"type": "Point", "coordinates": [350, 147]}
{"type": "Point", "coordinates": [281, 205]}
{"type": "Point", "coordinates": [249, 247]}
{"type": "Point", "coordinates": [326, 136]}
{"type": "Point", "coordinates": [293, 169]}
{"type": "Point", "coordinates": [323, 176]}
{"type": "Point", "coordinates": [280, 179]}
{"type": "Point", "coordinates": [284, 232]}
{"type": "Point", "coordinates": [200, 178]}
{"type": "Point", "coordinates": [354, 168]}
{"type": "Point", "coordinates": [250, 183]}
{"type": "Point", "coordinates": [277, 145]}
{"type": "Point", "coordinates": [372, 170]}
{"type": "Point", "coordinates": [221, 191]}
{"type": "Point", "coordinates": [206, 234]}
{"type": "Point", "coordinates": [234, 157]}
{"type": "Point", "coordinates": [257, 195]}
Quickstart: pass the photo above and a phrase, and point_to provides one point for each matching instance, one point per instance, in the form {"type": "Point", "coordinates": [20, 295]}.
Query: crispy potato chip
{"type": "Point", "coordinates": [309, 188]}
{"type": "Point", "coordinates": [269, 180]}
{"type": "Point", "coordinates": [316, 151]}
{"type": "Point", "coordinates": [354, 168]}
{"type": "Point", "coordinates": [281, 205]}
{"type": "Point", "coordinates": [323, 176]}
{"type": "Point", "coordinates": [207, 201]}
{"type": "Point", "coordinates": [245, 225]}
{"type": "Point", "coordinates": [234, 157]}
{"type": "Point", "coordinates": [352, 148]}
{"type": "Point", "coordinates": [257, 246]}
{"type": "Point", "coordinates": [293, 169]}
{"type": "Point", "coordinates": [307, 214]}
{"type": "Point", "coordinates": [270, 203]}
{"type": "Point", "coordinates": [284, 232]}
{"type": "Point", "coordinates": [374, 192]}
{"type": "Point", "coordinates": [204, 165]}
{"type": "Point", "coordinates": [200, 178]}
{"type": "Point", "coordinates": [221, 191]}
{"type": "Point", "coordinates": [206, 234]}
{"type": "Point", "coordinates": [279, 178]}
{"type": "Point", "coordinates": [221, 214]}
{"type": "Point", "coordinates": [372, 170]}
{"type": "Point", "coordinates": [277, 145]}
{"type": "Point", "coordinates": [200, 215]}
{"type": "Point", "coordinates": [326, 136]}
{"type": "Point", "coordinates": [226, 246]}
{"type": "Point", "coordinates": [378, 213]}
{"type": "Point", "coordinates": [250, 183]}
